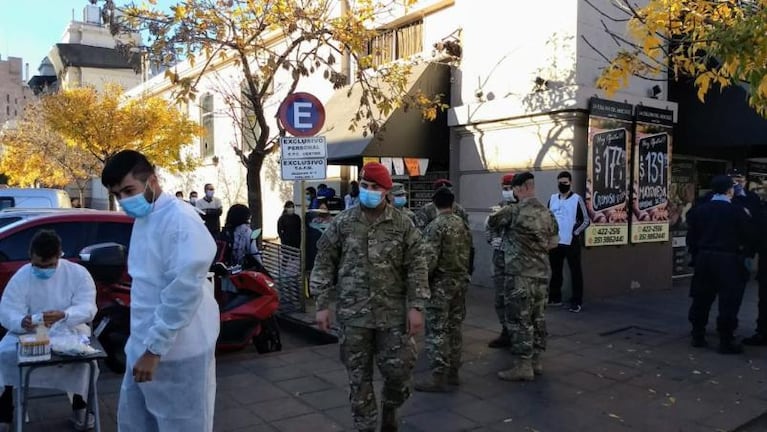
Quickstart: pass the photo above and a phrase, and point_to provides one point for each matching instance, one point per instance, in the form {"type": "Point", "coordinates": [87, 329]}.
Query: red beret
{"type": "Point", "coordinates": [442, 182]}
{"type": "Point", "coordinates": [507, 179]}
{"type": "Point", "coordinates": [375, 172]}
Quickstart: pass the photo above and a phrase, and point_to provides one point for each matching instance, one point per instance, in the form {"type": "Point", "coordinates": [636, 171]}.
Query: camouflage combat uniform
{"type": "Point", "coordinates": [447, 244]}
{"type": "Point", "coordinates": [409, 213]}
{"type": "Point", "coordinates": [429, 212]}
{"type": "Point", "coordinates": [499, 263]}
{"type": "Point", "coordinates": [531, 230]}
{"type": "Point", "coordinates": [375, 271]}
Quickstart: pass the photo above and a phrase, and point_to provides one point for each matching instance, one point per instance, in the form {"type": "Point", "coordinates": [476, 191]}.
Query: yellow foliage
{"type": "Point", "coordinates": [719, 43]}
{"type": "Point", "coordinates": [105, 123]}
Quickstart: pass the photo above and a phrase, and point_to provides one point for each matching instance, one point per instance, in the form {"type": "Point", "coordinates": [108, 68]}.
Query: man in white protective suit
{"type": "Point", "coordinates": [170, 380]}
{"type": "Point", "coordinates": [47, 291]}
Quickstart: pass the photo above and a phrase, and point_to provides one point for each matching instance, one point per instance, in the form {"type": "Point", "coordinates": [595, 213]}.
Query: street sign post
{"type": "Point", "coordinates": [304, 156]}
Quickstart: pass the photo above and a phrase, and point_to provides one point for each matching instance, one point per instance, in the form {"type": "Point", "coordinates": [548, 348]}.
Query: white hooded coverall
{"type": "Point", "coordinates": [174, 315]}
{"type": "Point", "coordinates": [71, 289]}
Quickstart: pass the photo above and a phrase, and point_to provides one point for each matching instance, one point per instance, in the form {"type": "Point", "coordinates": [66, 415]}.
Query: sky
{"type": "Point", "coordinates": [28, 29]}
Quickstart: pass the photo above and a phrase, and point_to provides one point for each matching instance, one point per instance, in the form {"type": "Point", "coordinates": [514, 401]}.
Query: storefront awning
{"type": "Point", "coordinates": [404, 134]}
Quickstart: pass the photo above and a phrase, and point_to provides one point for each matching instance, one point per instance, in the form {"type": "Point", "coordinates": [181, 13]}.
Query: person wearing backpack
{"type": "Point", "coordinates": [241, 249]}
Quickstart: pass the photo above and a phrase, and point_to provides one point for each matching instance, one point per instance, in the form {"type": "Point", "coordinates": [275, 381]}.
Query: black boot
{"type": "Point", "coordinates": [758, 339]}
{"type": "Point", "coordinates": [727, 345]}
{"type": "Point", "coordinates": [502, 341]}
{"type": "Point", "coordinates": [389, 419]}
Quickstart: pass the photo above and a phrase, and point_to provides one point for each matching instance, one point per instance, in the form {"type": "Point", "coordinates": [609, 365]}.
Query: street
{"type": "Point", "coordinates": [622, 364]}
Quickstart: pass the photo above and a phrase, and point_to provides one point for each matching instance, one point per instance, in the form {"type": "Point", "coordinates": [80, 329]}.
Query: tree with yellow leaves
{"type": "Point", "coordinates": [268, 38]}
{"type": "Point", "coordinates": [718, 43]}
{"type": "Point", "coordinates": [34, 155]}
{"type": "Point", "coordinates": [104, 123]}
{"type": "Point", "coordinates": [66, 137]}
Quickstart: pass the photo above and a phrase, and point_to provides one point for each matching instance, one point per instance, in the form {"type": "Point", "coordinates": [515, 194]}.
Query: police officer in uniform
{"type": "Point", "coordinates": [495, 239]}
{"type": "Point", "coordinates": [370, 260]}
{"type": "Point", "coordinates": [719, 239]}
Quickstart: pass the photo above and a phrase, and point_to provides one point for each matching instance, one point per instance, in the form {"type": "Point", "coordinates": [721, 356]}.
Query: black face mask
{"type": "Point", "coordinates": [563, 188]}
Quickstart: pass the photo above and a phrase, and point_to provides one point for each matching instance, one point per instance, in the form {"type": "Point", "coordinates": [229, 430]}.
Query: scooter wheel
{"type": "Point", "coordinates": [269, 339]}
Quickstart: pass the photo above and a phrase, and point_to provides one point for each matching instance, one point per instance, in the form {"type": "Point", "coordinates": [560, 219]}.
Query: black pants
{"type": "Point", "coordinates": [717, 274]}
{"type": "Point", "coordinates": [761, 320]}
{"type": "Point", "coordinates": [557, 258]}
{"type": "Point", "coordinates": [6, 404]}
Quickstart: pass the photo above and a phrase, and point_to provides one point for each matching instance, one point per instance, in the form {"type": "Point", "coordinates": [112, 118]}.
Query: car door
{"type": "Point", "coordinates": [14, 249]}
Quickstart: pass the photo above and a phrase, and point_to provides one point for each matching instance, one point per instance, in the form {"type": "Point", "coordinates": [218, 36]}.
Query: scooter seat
{"type": "Point", "coordinates": [238, 300]}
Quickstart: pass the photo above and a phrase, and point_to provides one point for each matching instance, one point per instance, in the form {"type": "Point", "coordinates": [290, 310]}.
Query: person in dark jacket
{"type": "Point", "coordinates": [719, 239]}
{"type": "Point", "coordinates": [289, 226]}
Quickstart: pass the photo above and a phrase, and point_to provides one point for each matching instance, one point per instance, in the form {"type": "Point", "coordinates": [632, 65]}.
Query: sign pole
{"type": "Point", "coordinates": [304, 279]}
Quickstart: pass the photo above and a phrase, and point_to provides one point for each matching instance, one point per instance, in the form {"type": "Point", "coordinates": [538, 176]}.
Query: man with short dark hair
{"type": "Point", "coordinates": [398, 199]}
{"type": "Point", "coordinates": [193, 198]}
{"type": "Point", "coordinates": [447, 245]}
{"type": "Point", "coordinates": [370, 260]}
{"type": "Point", "coordinates": [170, 379]}
{"type": "Point", "coordinates": [532, 233]}
{"type": "Point", "coordinates": [719, 238]}
{"type": "Point", "coordinates": [47, 291]}
{"type": "Point", "coordinates": [213, 210]}
{"type": "Point", "coordinates": [429, 212]}
{"type": "Point", "coordinates": [572, 217]}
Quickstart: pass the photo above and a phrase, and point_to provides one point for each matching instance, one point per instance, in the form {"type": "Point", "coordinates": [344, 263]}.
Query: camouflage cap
{"type": "Point", "coordinates": [398, 189]}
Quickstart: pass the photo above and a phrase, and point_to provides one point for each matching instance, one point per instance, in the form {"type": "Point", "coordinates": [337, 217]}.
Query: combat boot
{"type": "Point", "coordinates": [502, 341]}
{"type": "Point", "coordinates": [522, 371]}
{"type": "Point", "coordinates": [699, 341]}
{"type": "Point", "coordinates": [537, 364]}
{"type": "Point", "coordinates": [389, 419]}
{"type": "Point", "coordinates": [453, 379]}
{"type": "Point", "coordinates": [436, 383]}
{"type": "Point", "coordinates": [727, 345]}
{"type": "Point", "coordinates": [758, 339]}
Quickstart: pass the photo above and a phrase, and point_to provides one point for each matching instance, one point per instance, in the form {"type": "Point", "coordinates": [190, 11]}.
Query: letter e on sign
{"type": "Point", "coordinates": [302, 114]}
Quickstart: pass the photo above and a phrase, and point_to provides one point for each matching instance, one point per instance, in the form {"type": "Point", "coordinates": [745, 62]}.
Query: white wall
{"type": "Point", "coordinates": [127, 78]}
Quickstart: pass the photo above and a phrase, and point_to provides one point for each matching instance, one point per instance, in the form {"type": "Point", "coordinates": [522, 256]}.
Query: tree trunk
{"type": "Point", "coordinates": [255, 162]}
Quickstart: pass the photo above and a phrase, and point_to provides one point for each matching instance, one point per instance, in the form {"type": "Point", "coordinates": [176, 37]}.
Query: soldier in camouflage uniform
{"type": "Point", "coordinates": [531, 232]}
{"type": "Point", "coordinates": [429, 212]}
{"type": "Point", "coordinates": [447, 244]}
{"type": "Point", "coordinates": [370, 260]}
{"type": "Point", "coordinates": [495, 239]}
{"type": "Point", "coordinates": [398, 199]}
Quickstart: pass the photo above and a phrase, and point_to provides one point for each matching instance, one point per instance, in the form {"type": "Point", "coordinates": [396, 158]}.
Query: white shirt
{"type": "Point", "coordinates": [173, 311]}
{"type": "Point", "coordinates": [566, 211]}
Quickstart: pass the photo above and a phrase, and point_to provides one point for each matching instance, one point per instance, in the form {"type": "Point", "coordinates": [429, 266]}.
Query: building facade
{"type": "Point", "coordinates": [14, 92]}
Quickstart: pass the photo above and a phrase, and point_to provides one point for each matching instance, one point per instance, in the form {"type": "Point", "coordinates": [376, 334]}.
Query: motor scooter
{"type": "Point", "coordinates": [247, 316]}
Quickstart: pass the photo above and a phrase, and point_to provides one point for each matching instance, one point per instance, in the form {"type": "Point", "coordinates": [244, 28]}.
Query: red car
{"type": "Point", "coordinates": [77, 228]}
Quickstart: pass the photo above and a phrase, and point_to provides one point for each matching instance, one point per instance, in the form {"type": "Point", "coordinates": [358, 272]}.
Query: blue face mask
{"type": "Point", "coordinates": [400, 201]}
{"type": "Point", "coordinates": [136, 206]}
{"type": "Point", "coordinates": [43, 273]}
{"type": "Point", "coordinates": [739, 189]}
{"type": "Point", "coordinates": [370, 199]}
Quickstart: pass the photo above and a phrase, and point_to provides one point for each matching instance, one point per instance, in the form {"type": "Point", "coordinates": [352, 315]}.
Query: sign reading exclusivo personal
{"type": "Point", "coordinates": [652, 172]}
{"type": "Point", "coordinates": [608, 171]}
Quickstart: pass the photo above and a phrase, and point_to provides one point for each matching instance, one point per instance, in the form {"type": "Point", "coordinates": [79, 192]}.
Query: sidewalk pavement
{"type": "Point", "coordinates": [623, 364]}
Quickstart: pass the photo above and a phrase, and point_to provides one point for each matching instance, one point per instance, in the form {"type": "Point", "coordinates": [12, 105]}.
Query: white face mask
{"type": "Point", "coordinates": [507, 195]}
{"type": "Point", "coordinates": [290, 210]}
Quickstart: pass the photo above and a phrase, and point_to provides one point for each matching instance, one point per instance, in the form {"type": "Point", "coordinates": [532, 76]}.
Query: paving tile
{"type": "Point", "coordinates": [281, 373]}
{"type": "Point", "coordinates": [257, 394]}
{"type": "Point", "coordinates": [326, 399]}
{"type": "Point", "coordinates": [310, 422]}
{"type": "Point", "coordinates": [342, 416]}
{"type": "Point", "coordinates": [279, 409]}
{"type": "Point", "coordinates": [235, 418]}
{"type": "Point", "coordinates": [440, 420]}
{"type": "Point", "coordinates": [304, 385]}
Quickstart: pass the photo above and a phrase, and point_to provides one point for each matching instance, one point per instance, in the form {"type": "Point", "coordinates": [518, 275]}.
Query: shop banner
{"type": "Point", "coordinates": [608, 171]}
{"type": "Point", "coordinates": [652, 171]}
{"type": "Point", "coordinates": [681, 197]}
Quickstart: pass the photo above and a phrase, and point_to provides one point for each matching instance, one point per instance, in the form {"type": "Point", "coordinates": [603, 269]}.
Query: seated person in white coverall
{"type": "Point", "coordinates": [170, 380]}
{"type": "Point", "coordinates": [60, 291]}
